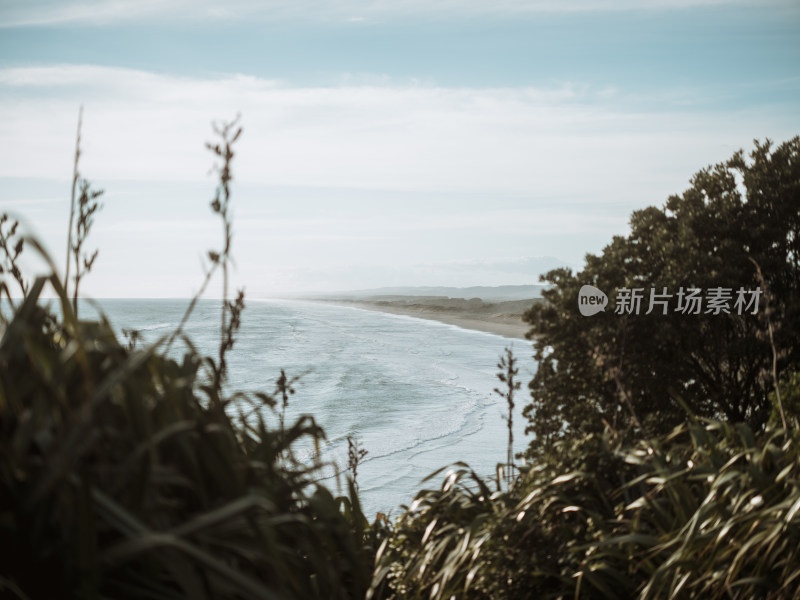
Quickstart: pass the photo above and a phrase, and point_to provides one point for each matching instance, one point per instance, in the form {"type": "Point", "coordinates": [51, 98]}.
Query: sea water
{"type": "Point", "coordinates": [416, 394]}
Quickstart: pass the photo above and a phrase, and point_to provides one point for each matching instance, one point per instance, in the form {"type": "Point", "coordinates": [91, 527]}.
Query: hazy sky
{"type": "Point", "coordinates": [411, 142]}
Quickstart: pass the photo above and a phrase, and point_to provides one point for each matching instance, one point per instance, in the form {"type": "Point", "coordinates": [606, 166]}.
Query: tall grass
{"type": "Point", "coordinates": [125, 473]}
{"type": "Point", "coordinates": [711, 510]}
{"type": "Point", "coordinates": [122, 474]}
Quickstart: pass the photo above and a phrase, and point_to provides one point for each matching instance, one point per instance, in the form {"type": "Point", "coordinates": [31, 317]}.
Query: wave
{"type": "Point", "coordinates": [156, 326]}
{"type": "Point", "coordinates": [416, 393]}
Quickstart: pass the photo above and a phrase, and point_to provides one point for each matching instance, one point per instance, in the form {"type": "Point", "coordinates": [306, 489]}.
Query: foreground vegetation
{"type": "Point", "coordinates": [708, 511]}
{"type": "Point", "coordinates": [128, 474]}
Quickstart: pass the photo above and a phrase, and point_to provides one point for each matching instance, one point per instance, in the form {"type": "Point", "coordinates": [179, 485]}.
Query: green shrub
{"type": "Point", "coordinates": [708, 511]}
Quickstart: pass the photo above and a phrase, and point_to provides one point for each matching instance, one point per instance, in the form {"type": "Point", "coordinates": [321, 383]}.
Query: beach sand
{"type": "Point", "coordinates": [499, 318]}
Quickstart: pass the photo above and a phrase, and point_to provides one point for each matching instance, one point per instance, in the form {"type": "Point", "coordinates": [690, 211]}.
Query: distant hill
{"type": "Point", "coordinates": [503, 278]}
{"type": "Point", "coordinates": [500, 293]}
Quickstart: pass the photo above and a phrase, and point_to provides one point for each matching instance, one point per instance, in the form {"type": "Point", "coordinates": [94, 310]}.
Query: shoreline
{"type": "Point", "coordinates": [510, 326]}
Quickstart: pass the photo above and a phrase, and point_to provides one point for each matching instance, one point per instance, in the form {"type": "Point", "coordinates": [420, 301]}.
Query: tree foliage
{"type": "Point", "coordinates": [620, 369]}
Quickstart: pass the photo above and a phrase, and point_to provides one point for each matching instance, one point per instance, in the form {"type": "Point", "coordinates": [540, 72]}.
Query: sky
{"type": "Point", "coordinates": [412, 142]}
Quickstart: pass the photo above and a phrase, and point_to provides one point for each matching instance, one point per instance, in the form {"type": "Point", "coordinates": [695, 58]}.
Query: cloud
{"type": "Point", "coordinates": [17, 13]}
{"type": "Point", "coordinates": [380, 172]}
{"type": "Point", "coordinates": [568, 140]}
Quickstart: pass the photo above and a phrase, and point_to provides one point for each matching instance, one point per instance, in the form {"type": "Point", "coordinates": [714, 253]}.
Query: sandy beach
{"type": "Point", "coordinates": [500, 318]}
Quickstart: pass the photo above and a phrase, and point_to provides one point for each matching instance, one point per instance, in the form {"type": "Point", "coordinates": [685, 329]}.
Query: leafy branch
{"type": "Point", "coordinates": [229, 133]}
{"type": "Point", "coordinates": [771, 332]}
{"type": "Point", "coordinates": [231, 309]}
{"type": "Point", "coordinates": [87, 207]}
{"type": "Point", "coordinates": [75, 177]}
{"type": "Point", "coordinates": [284, 389]}
{"type": "Point", "coordinates": [355, 454]}
{"type": "Point", "coordinates": [12, 246]}
{"type": "Point", "coordinates": [78, 231]}
{"type": "Point", "coordinates": [507, 376]}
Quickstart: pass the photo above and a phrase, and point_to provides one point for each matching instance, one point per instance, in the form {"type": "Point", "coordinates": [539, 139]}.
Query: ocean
{"type": "Point", "coordinates": [416, 393]}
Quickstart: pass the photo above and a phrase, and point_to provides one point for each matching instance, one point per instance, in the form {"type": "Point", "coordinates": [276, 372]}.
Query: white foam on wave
{"type": "Point", "coordinates": [154, 327]}
{"type": "Point", "coordinates": [416, 393]}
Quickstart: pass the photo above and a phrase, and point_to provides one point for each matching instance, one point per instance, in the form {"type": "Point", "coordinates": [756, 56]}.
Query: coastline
{"type": "Point", "coordinates": [484, 318]}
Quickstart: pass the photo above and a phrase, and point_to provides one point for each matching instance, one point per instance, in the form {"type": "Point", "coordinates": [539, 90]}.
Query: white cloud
{"type": "Point", "coordinates": [517, 170]}
{"type": "Point", "coordinates": [545, 143]}
{"type": "Point", "coordinates": [565, 140]}
{"type": "Point", "coordinates": [51, 12]}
